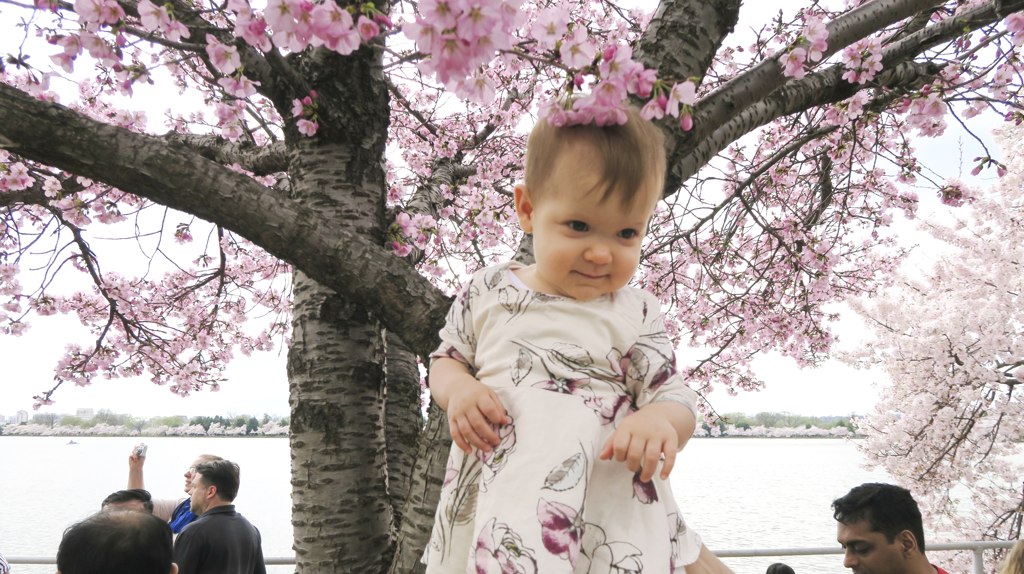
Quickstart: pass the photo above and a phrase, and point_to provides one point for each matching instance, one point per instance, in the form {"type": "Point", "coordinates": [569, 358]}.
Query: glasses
{"type": "Point", "coordinates": [191, 470]}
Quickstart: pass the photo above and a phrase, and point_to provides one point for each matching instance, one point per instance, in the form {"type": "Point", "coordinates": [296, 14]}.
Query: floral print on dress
{"type": "Point", "coordinates": [499, 550]}
{"type": "Point", "coordinates": [496, 459]}
{"type": "Point", "coordinates": [561, 529]}
{"type": "Point", "coordinates": [567, 372]}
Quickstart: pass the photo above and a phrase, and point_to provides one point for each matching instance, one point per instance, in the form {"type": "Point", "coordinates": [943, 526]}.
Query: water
{"type": "Point", "coordinates": [738, 493]}
{"type": "Point", "coordinates": [46, 485]}
{"type": "Point", "coordinates": [746, 493]}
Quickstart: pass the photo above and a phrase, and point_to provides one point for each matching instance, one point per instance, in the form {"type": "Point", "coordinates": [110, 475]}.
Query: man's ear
{"type": "Point", "coordinates": [524, 208]}
{"type": "Point", "coordinates": [907, 542]}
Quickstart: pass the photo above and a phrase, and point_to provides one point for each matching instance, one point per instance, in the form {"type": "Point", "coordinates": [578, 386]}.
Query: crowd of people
{"type": "Point", "coordinates": [564, 403]}
{"type": "Point", "coordinates": [201, 533]}
{"type": "Point", "coordinates": [878, 526]}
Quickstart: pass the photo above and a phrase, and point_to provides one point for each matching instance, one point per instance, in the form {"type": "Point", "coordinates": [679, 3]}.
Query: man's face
{"type": "Point", "coordinates": [199, 496]}
{"type": "Point", "coordinates": [868, 551]}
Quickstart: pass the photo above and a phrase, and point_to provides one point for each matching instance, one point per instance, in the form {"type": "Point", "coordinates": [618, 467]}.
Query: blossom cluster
{"type": "Point", "coordinates": [409, 232]}
{"type": "Point", "coordinates": [306, 110]}
{"type": "Point", "coordinates": [809, 48]}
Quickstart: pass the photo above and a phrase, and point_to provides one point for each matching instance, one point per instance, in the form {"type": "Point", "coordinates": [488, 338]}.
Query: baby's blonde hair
{"type": "Point", "coordinates": [632, 156]}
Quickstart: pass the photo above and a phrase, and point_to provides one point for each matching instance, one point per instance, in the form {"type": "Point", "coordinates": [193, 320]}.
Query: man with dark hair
{"type": "Point", "coordinates": [220, 541]}
{"type": "Point", "coordinates": [137, 499]}
{"type": "Point", "coordinates": [174, 510]}
{"type": "Point", "coordinates": [879, 527]}
{"type": "Point", "coordinates": [117, 542]}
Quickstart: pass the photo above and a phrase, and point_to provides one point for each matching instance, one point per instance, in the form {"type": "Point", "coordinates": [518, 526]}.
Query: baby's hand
{"type": "Point", "coordinates": [640, 440]}
{"type": "Point", "coordinates": [473, 410]}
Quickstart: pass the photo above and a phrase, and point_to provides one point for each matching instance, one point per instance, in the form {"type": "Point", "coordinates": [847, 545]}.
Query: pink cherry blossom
{"type": "Point", "coordinates": [551, 24]}
{"type": "Point", "coordinates": [368, 29]}
{"type": "Point", "coordinates": [862, 60]}
{"type": "Point", "coordinates": [793, 63]}
{"type": "Point", "coordinates": [225, 58]}
{"type": "Point", "coordinates": [98, 12]}
{"type": "Point", "coordinates": [238, 86]}
{"type": "Point", "coordinates": [577, 49]}
{"type": "Point", "coordinates": [153, 18]}
{"type": "Point", "coordinates": [333, 27]}
{"type": "Point", "coordinates": [306, 127]}
{"type": "Point", "coordinates": [682, 93]}
{"type": "Point", "coordinates": [816, 36]}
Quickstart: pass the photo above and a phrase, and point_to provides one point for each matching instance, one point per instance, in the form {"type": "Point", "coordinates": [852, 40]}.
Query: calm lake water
{"type": "Point", "coordinates": [738, 493]}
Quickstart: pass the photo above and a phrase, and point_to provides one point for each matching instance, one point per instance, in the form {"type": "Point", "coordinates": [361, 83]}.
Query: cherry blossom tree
{"type": "Point", "coordinates": [950, 338]}
{"type": "Point", "coordinates": [370, 149]}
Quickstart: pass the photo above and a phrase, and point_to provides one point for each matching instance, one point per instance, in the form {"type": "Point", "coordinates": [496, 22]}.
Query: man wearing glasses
{"type": "Point", "coordinates": [175, 511]}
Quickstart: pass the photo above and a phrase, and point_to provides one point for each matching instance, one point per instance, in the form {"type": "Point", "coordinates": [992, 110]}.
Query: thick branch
{"type": "Point", "coordinates": [181, 179]}
{"type": "Point", "coordinates": [756, 84]}
{"type": "Point", "coordinates": [264, 160]}
{"type": "Point", "coordinates": [681, 42]}
{"type": "Point", "coordinates": [827, 87]}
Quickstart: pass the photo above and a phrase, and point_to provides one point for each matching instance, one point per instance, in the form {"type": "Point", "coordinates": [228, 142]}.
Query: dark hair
{"type": "Point", "coordinates": [221, 473]}
{"type": "Point", "coordinates": [779, 568]}
{"type": "Point", "coordinates": [130, 495]}
{"type": "Point", "coordinates": [116, 542]}
{"type": "Point", "coordinates": [888, 509]}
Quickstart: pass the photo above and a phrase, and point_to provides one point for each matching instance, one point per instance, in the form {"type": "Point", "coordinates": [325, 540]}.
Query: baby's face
{"type": "Point", "coordinates": [585, 246]}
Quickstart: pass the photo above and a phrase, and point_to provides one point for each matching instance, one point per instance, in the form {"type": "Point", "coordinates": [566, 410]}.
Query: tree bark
{"type": "Point", "coordinates": [425, 489]}
{"type": "Point", "coordinates": [403, 420]}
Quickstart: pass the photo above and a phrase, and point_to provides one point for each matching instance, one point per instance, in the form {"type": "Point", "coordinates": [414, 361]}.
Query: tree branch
{"type": "Point", "coordinates": [177, 177]}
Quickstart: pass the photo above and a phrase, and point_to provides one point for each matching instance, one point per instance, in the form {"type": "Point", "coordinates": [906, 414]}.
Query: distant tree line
{"type": "Point", "coordinates": [106, 422]}
{"type": "Point", "coordinates": [775, 424]}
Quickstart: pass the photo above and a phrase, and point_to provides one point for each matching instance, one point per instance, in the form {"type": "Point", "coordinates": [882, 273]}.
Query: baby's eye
{"type": "Point", "coordinates": [629, 233]}
{"type": "Point", "coordinates": [578, 226]}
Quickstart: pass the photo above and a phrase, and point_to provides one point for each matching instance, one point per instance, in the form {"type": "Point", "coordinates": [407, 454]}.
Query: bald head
{"type": "Point", "coordinates": [117, 542]}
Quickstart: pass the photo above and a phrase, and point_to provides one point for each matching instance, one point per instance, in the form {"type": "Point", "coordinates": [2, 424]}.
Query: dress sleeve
{"type": "Point", "coordinates": [652, 375]}
{"type": "Point", "coordinates": [458, 336]}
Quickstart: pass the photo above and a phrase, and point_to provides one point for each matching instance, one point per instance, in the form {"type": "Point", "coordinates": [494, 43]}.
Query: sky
{"type": "Point", "coordinates": [258, 384]}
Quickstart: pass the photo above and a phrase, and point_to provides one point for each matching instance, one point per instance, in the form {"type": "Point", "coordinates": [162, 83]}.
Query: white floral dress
{"type": "Point", "coordinates": [567, 372]}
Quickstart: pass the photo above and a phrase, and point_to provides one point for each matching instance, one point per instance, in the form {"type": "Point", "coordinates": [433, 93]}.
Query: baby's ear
{"type": "Point", "coordinates": [524, 207]}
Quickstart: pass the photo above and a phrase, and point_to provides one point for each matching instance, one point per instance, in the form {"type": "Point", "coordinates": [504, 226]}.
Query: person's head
{"type": "Point", "coordinates": [1013, 563]}
{"type": "Point", "coordinates": [191, 471]}
{"type": "Point", "coordinates": [131, 499]}
{"type": "Point", "coordinates": [879, 525]}
{"type": "Point", "coordinates": [779, 568]}
{"type": "Point", "coordinates": [215, 484]}
{"type": "Point", "coordinates": [587, 199]}
{"type": "Point", "coordinates": [117, 542]}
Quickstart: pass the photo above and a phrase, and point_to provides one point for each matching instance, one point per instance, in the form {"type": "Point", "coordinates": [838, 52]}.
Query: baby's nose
{"type": "Point", "coordinates": [599, 253]}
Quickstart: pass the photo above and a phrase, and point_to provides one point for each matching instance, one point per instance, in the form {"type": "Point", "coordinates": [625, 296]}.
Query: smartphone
{"type": "Point", "coordinates": [140, 450]}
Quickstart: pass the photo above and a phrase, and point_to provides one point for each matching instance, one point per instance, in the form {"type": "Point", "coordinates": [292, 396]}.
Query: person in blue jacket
{"type": "Point", "coordinates": [175, 511]}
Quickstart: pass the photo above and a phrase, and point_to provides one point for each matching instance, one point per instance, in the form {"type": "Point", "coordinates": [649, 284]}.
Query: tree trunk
{"type": "Point", "coordinates": [341, 513]}
{"type": "Point", "coordinates": [403, 419]}
{"type": "Point", "coordinates": [424, 491]}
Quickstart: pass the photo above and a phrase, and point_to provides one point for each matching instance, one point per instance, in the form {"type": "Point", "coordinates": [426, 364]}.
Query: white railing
{"type": "Point", "coordinates": [977, 549]}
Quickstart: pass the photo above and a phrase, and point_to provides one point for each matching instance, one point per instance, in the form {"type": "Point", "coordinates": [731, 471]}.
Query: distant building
{"type": "Point", "coordinates": [21, 417]}
{"type": "Point", "coordinates": [85, 414]}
